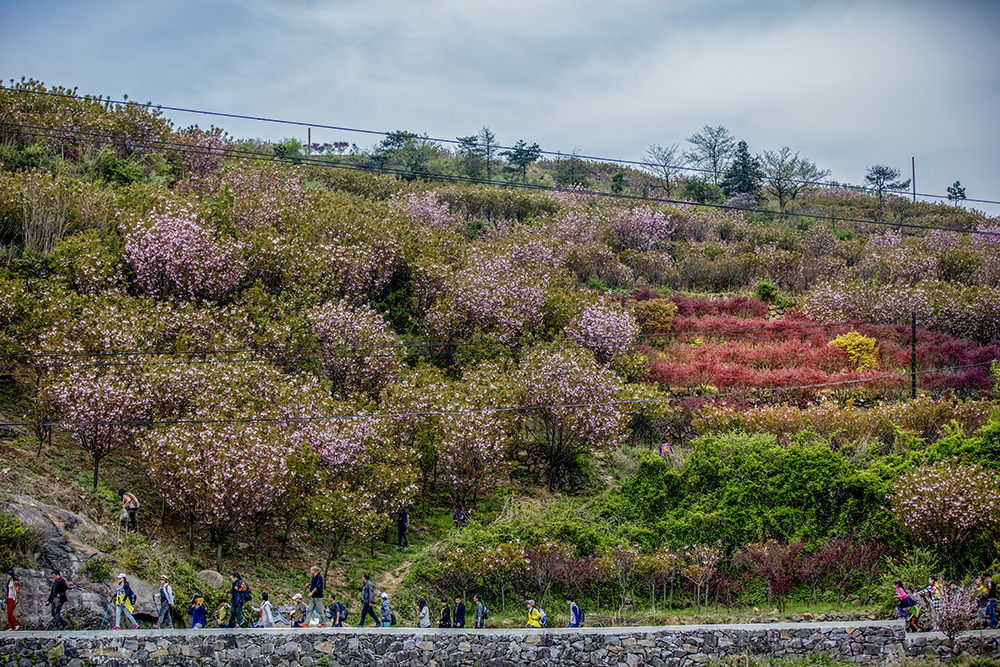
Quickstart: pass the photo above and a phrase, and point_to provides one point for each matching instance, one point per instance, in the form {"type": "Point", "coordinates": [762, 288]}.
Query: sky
{"type": "Point", "coordinates": [848, 85]}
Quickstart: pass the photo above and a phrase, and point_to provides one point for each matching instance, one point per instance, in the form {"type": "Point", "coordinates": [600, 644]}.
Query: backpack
{"type": "Point", "coordinates": [131, 596]}
{"type": "Point", "coordinates": [392, 618]}
{"type": "Point", "coordinates": [543, 618]}
{"type": "Point", "coordinates": [579, 615]}
{"type": "Point", "coordinates": [247, 596]}
{"type": "Point", "coordinates": [343, 612]}
{"type": "Point", "coordinates": [486, 612]}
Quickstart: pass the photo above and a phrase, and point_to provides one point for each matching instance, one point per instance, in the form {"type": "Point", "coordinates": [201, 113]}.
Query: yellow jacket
{"type": "Point", "coordinates": [534, 618]}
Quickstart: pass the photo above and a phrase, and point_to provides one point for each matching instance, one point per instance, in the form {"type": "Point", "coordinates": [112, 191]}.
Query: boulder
{"type": "Point", "coordinates": [65, 542]}
{"type": "Point", "coordinates": [213, 579]}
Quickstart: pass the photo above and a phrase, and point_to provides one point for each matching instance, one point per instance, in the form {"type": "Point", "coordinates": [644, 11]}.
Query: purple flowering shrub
{"type": "Point", "coordinates": [605, 329]}
{"type": "Point", "coordinates": [360, 354]}
{"type": "Point", "coordinates": [175, 255]}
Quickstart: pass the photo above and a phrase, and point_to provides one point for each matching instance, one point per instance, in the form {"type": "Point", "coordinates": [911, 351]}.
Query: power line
{"type": "Point", "coordinates": [478, 411]}
{"type": "Point", "coordinates": [142, 143]}
{"type": "Point", "coordinates": [556, 154]}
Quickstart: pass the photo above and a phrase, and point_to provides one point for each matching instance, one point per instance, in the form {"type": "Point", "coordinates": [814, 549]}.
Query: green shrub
{"type": "Point", "coordinates": [134, 554]}
{"type": "Point", "coordinates": [98, 568]}
{"type": "Point", "coordinates": [17, 542]}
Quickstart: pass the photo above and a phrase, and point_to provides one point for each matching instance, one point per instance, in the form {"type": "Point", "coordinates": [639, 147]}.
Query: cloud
{"type": "Point", "coordinates": [848, 84]}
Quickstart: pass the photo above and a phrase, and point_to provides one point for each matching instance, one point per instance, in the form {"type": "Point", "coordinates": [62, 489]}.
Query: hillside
{"type": "Point", "coordinates": [638, 401]}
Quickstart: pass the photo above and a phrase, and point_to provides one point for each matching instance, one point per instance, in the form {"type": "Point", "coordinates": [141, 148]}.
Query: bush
{"type": "Point", "coordinates": [134, 554]}
{"type": "Point", "coordinates": [17, 542]}
{"type": "Point", "coordinates": [97, 568]}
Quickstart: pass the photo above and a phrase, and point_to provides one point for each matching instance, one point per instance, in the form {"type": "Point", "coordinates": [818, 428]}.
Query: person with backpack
{"type": "Point", "coordinates": [368, 601]}
{"type": "Point", "coordinates": [131, 505]}
{"type": "Point", "coordinates": [425, 614]}
{"type": "Point", "coordinates": [240, 595]}
{"type": "Point", "coordinates": [575, 615]}
{"type": "Point", "coordinates": [124, 602]}
{"type": "Point", "coordinates": [386, 611]}
{"type": "Point", "coordinates": [315, 595]}
{"type": "Point", "coordinates": [536, 617]}
{"type": "Point", "coordinates": [13, 590]}
{"type": "Point", "coordinates": [480, 613]}
{"type": "Point", "coordinates": [164, 604]}
{"type": "Point", "coordinates": [445, 620]}
{"type": "Point", "coordinates": [336, 613]}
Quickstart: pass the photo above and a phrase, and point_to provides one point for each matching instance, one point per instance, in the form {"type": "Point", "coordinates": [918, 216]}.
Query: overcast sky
{"type": "Point", "coordinates": [846, 84]}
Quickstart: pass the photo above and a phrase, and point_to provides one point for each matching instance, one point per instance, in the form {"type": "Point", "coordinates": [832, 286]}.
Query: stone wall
{"type": "Point", "coordinates": [620, 647]}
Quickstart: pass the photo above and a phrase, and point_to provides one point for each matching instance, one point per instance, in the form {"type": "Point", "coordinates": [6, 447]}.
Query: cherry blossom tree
{"type": "Point", "coordinates": [360, 354]}
{"type": "Point", "coordinates": [607, 330]}
{"type": "Point", "coordinates": [504, 565]}
{"type": "Point", "coordinates": [566, 403]}
{"type": "Point", "coordinates": [101, 411]}
{"type": "Point", "coordinates": [176, 255]}
{"type": "Point", "coordinates": [219, 474]}
{"type": "Point", "coordinates": [946, 504]}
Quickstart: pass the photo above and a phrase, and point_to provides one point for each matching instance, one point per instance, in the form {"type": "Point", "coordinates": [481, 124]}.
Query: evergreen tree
{"type": "Point", "coordinates": [744, 175]}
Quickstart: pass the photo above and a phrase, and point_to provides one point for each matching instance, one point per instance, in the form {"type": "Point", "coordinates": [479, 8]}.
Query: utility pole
{"type": "Point", "coordinates": [913, 177]}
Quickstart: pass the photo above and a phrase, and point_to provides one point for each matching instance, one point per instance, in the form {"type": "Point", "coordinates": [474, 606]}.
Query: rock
{"type": "Point", "coordinates": [65, 543]}
{"type": "Point", "coordinates": [214, 579]}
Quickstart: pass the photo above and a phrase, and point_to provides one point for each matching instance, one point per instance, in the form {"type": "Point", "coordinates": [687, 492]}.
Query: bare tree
{"type": "Point", "coordinates": [882, 179]}
{"type": "Point", "coordinates": [714, 148]}
{"type": "Point", "coordinates": [664, 163]}
{"type": "Point", "coordinates": [787, 175]}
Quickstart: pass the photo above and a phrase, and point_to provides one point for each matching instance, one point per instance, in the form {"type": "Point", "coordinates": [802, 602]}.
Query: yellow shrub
{"type": "Point", "coordinates": [862, 350]}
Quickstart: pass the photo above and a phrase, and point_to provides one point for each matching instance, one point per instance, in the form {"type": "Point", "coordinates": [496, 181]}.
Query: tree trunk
{"type": "Point", "coordinates": [191, 538]}
{"type": "Point", "coordinates": [97, 464]}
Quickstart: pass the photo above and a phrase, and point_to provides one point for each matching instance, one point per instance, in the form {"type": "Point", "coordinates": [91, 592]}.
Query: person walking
{"type": "Point", "coordinates": [402, 525]}
{"type": "Point", "coordinates": [298, 615]}
{"type": "Point", "coordinates": [574, 612]}
{"type": "Point", "coordinates": [534, 616]}
{"type": "Point", "coordinates": [459, 621]}
{"type": "Point", "coordinates": [425, 614]}
{"type": "Point", "coordinates": [223, 613]}
{"type": "Point", "coordinates": [124, 602]}
{"type": "Point", "coordinates": [445, 620]}
{"type": "Point", "coordinates": [932, 592]}
{"type": "Point", "coordinates": [368, 601]}
{"type": "Point", "coordinates": [991, 601]}
{"type": "Point", "coordinates": [315, 596]}
{"type": "Point", "coordinates": [479, 613]}
{"type": "Point", "coordinates": [386, 611]}
{"type": "Point", "coordinates": [336, 612]}
{"type": "Point", "coordinates": [239, 593]}
{"type": "Point", "coordinates": [13, 590]}
{"type": "Point", "coordinates": [266, 619]}
{"type": "Point", "coordinates": [131, 505]}
{"type": "Point", "coordinates": [198, 612]}
{"type": "Point", "coordinates": [164, 604]}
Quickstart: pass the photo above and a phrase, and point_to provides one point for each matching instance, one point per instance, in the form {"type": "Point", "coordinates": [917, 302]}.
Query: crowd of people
{"type": "Point", "coordinates": [909, 608]}
{"type": "Point", "coordinates": [234, 610]}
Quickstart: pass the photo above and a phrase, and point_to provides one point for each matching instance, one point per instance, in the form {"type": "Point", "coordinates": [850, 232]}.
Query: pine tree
{"type": "Point", "coordinates": [744, 175]}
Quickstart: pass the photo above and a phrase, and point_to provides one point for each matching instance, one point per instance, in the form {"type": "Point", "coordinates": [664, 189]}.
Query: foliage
{"type": "Point", "coordinates": [17, 542]}
{"type": "Point", "coordinates": [566, 400]}
{"type": "Point", "coordinates": [862, 350]}
{"type": "Point", "coordinates": [947, 504]}
{"type": "Point", "coordinates": [957, 610]}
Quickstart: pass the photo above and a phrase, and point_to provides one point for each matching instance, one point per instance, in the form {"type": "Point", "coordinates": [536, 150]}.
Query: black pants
{"type": "Point", "coordinates": [131, 518]}
{"type": "Point", "coordinates": [57, 621]}
{"type": "Point", "coordinates": [367, 610]}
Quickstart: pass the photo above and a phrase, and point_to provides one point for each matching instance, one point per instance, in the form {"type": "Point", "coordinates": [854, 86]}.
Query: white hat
{"type": "Point", "coordinates": [297, 596]}
{"type": "Point", "coordinates": [384, 596]}
{"type": "Point", "coordinates": [121, 575]}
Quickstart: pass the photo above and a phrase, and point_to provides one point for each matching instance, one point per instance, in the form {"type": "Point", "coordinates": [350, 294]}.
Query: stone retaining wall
{"type": "Point", "coordinates": [619, 647]}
